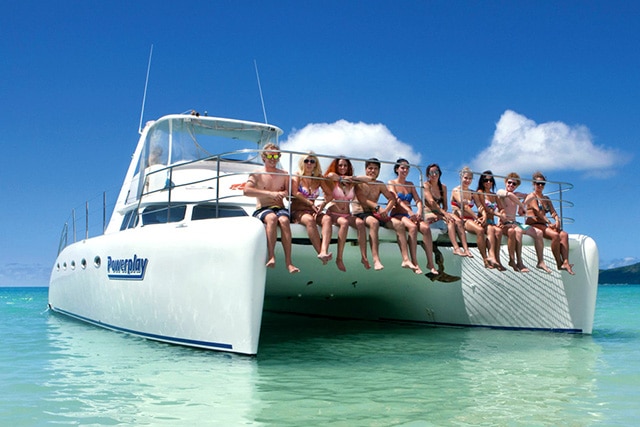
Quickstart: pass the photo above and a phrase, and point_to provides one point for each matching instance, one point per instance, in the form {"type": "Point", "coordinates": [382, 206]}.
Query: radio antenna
{"type": "Point", "coordinates": [144, 96]}
{"type": "Point", "coordinates": [264, 111]}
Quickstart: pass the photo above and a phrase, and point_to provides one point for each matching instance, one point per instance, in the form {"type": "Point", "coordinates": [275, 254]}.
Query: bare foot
{"type": "Point", "coordinates": [433, 270]}
{"type": "Point", "coordinates": [377, 265]}
{"type": "Point", "coordinates": [340, 265]}
{"type": "Point", "coordinates": [325, 258]}
{"type": "Point", "coordinates": [523, 268]}
{"type": "Point", "coordinates": [458, 251]}
{"type": "Point", "coordinates": [487, 263]}
{"type": "Point", "coordinates": [293, 269]}
{"type": "Point", "coordinates": [271, 263]}
{"type": "Point", "coordinates": [513, 265]}
{"type": "Point", "coordinates": [468, 253]}
{"type": "Point", "coordinates": [365, 262]}
{"type": "Point", "coordinates": [543, 266]}
{"type": "Point", "coordinates": [417, 270]}
{"type": "Point", "coordinates": [499, 266]}
{"type": "Point", "coordinates": [567, 267]}
{"type": "Point", "coordinates": [408, 264]}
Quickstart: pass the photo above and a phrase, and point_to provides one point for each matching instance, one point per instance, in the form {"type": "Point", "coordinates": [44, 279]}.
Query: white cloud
{"type": "Point", "coordinates": [520, 144]}
{"type": "Point", "coordinates": [354, 140]}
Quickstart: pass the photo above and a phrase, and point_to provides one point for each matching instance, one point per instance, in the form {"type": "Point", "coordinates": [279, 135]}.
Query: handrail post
{"type": "Point", "coordinates": [73, 221]}
{"type": "Point", "coordinates": [86, 220]}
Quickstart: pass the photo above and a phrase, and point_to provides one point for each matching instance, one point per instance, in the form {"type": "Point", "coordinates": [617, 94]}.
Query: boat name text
{"type": "Point", "coordinates": [127, 268]}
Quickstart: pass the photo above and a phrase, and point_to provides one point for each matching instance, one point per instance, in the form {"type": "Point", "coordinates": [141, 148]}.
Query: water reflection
{"type": "Point", "coordinates": [327, 372]}
{"type": "Point", "coordinates": [104, 378]}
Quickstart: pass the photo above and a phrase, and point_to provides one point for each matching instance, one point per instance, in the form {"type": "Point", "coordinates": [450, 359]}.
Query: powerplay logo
{"type": "Point", "coordinates": [127, 269]}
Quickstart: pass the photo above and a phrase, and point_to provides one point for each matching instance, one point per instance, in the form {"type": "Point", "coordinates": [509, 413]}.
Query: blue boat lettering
{"type": "Point", "coordinates": [127, 268]}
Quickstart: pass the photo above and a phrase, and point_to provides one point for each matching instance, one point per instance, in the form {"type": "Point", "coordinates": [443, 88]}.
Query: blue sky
{"type": "Point", "coordinates": [499, 85]}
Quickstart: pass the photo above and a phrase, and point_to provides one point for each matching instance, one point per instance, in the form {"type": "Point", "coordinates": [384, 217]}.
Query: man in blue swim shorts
{"type": "Point", "coordinates": [270, 186]}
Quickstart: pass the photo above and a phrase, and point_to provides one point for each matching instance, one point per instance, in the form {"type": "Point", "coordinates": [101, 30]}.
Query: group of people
{"type": "Point", "coordinates": [495, 216]}
{"type": "Point", "coordinates": [353, 201]}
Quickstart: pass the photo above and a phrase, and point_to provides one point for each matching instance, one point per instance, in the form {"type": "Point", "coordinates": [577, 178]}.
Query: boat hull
{"type": "Point", "coordinates": [537, 300]}
{"type": "Point", "coordinates": [197, 285]}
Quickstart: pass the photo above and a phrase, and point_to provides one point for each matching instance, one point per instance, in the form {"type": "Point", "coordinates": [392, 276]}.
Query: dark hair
{"type": "Point", "coordinates": [397, 165]}
{"type": "Point", "coordinates": [435, 165]}
{"type": "Point", "coordinates": [486, 174]}
{"type": "Point", "coordinates": [372, 161]}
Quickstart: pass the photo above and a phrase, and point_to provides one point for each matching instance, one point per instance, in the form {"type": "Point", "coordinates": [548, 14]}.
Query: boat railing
{"type": "Point", "coordinates": [218, 198]}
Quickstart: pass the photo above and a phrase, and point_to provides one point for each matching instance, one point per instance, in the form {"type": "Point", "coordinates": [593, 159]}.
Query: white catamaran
{"type": "Point", "coordinates": [182, 260]}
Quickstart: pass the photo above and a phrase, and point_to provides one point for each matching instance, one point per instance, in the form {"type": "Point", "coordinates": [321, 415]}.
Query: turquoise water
{"type": "Point", "coordinates": [55, 370]}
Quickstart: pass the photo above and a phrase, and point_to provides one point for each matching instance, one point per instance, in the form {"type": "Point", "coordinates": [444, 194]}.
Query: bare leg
{"type": "Point", "coordinates": [564, 252]}
{"type": "Point", "coordinates": [538, 240]}
{"type": "Point", "coordinates": [343, 223]}
{"type": "Point", "coordinates": [312, 230]}
{"type": "Point", "coordinates": [412, 231]}
{"type": "Point", "coordinates": [325, 221]}
{"type": "Point", "coordinates": [271, 227]}
{"type": "Point", "coordinates": [451, 229]}
{"type": "Point", "coordinates": [374, 227]}
{"type": "Point", "coordinates": [359, 225]}
{"type": "Point", "coordinates": [521, 267]}
{"type": "Point", "coordinates": [463, 237]}
{"type": "Point", "coordinates": [427, 243]}
{"type": "Point", "coordinates": [285, 234]}
{"type": "Point", "coordinates": [481, 240]}
{"type": "Point", "coordinates": [402, 243]}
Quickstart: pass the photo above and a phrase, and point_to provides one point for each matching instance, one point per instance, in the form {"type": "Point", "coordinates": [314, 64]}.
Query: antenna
{"type": "Point", "coordinates": [144, 96]}
{"type": "Point", "coordinates": [264, 112]}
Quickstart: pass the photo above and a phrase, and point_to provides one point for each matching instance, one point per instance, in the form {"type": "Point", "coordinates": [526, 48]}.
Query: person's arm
{"type": "Point", "coordinates": [391, 200]}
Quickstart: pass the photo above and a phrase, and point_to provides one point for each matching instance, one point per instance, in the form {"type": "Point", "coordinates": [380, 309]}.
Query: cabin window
{"type": "Point", "coordinates": [223, 211]}
{"type": "Point", "coordinates": [162, 214]}
{"type": "Point", "coordinates": [129, 221]}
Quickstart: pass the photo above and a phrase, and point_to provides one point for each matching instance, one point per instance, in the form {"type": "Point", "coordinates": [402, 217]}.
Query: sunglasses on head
{"type": "Point", "coordinates": [312, 161]}
{"type": "Point", "coordinates": [273, 156]}
{"type": "Point", "coordinates": [540, 183]}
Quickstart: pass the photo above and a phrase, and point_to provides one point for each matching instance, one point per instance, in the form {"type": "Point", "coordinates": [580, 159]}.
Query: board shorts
{"type": "Point", "coordinates": [263, 212]}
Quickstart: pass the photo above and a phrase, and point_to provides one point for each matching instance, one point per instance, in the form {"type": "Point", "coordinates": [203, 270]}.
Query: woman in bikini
{"type": "Point", "coordinates": [405, 192]}
{"type": "Point", "coordinates": [462, 202]}
{"type": "Point", "coordinates": [538, 206]}
{"type": "Point", "coordinates": [488, 207]}
{"type": "Point", "coordinates": [306, 184]}
{"type": "Point", "coordinates": [435, 198]}
{"type": "Point", "coordinates": [339, 190]}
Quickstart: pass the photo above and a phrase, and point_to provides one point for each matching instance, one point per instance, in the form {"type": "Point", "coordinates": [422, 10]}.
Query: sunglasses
{"type": "Point", "coordinates": [272, 156]}
{"type": "Point", "coordinates": [312, 161]}
{"type": "Point", "coordinates": [540, 183]}
{"type": "Point", "coordinates": [512, 183]}
{"type": "Point", "coordinates": [487, 180]}
{"type": "Point", "coordinates": [434, 173]}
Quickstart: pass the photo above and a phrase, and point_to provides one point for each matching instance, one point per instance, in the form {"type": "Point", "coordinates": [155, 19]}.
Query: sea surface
{"type": "Point", "coordinates": [319, 372]}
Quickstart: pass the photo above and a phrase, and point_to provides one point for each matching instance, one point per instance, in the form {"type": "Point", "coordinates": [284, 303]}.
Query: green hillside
{"type": "Point", "coordinates": [628, 274]}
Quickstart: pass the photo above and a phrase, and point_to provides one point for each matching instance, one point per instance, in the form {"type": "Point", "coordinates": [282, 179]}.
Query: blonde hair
{"type": "Point", "coordinates": [317, 169]}
{"type": "Point", "coordinates": [269, 147]}
{"type": "Point", "coordinates": [466, 170]}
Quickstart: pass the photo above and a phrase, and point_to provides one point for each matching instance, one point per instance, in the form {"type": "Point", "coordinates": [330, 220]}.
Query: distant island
{"type": "Point", "coordinates": [629, 274]}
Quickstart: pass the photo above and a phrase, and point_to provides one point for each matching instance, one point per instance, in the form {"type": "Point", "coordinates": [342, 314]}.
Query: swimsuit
{"type": "Point", "coordinates": [310, 195]}
{"type": "Point", "coordinates": [262, 213]}
{"type": "Point", "coordinates": [339, 194]}
{"type": "Point", "coordinates": [405, 197]}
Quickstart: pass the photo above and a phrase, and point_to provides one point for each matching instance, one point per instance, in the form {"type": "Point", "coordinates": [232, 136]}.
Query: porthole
{"type": "Point", "coordinates": [58, 266]}
{"type": "Point", "coordinates": [64, 265]}
{"type": "Point", "coordinates": [83, 263]}
{"type": "Point", "coordinates": [73, 265]}
{"type": "Point", "coordinates": [97, 261]}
